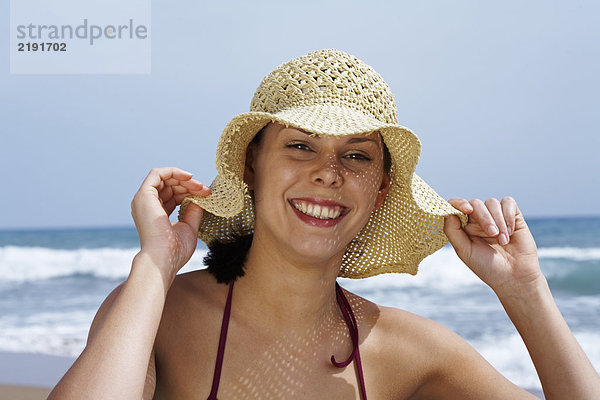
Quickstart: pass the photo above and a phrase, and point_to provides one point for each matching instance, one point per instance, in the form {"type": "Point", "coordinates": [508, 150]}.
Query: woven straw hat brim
{"type": "Point", "coordinates": [403, 231]}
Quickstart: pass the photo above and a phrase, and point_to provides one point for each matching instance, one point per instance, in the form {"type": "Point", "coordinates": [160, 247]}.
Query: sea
{"type": "Point", "coordinates": [52, 281]}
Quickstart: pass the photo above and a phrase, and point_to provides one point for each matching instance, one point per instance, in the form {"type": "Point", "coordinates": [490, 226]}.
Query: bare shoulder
{"type": "Point", "coordinates": [187, 334]}
{"type": "Point", "coordinates": [395, 327]}
{"type": "Point", "coordinates": [420, 358]}
{"type": "Point", "coordinates": [193, 307]}
{"type": "Point", "coordinates": [198, 284]}
{"type": "Point", "coordinates": [406, 337]}
{"type": "Point", "coordinates": [194, 290]}
{"type": "Point", "coordinates": [194, 294]}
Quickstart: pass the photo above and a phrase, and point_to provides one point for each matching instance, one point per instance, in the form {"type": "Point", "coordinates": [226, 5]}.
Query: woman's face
{"type": "Point", "coordinates": [313, 194]}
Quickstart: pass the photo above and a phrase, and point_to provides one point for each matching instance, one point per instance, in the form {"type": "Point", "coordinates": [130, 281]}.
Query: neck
{"type": "Point", "coordinates": [285, 292]}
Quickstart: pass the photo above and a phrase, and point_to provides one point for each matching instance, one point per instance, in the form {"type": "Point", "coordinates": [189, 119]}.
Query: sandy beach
{"type": "Point", "coordinates": [30, 376]}
{"type": "Point", "coordinates": [8, 392]}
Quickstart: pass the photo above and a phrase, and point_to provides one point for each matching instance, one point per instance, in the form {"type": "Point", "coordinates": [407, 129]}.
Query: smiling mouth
{"type": "Point", "coordinates": [319, 211]}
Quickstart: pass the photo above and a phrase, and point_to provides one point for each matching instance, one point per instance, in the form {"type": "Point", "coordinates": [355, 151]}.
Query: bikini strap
{"type": "Point", "coordinates": [222, 340]}
{"type": "Point", "coordinates": [350, 320]}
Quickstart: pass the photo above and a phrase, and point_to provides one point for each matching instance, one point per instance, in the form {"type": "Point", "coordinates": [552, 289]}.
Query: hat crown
{"type": "Point", "coordinates": [326, 77]}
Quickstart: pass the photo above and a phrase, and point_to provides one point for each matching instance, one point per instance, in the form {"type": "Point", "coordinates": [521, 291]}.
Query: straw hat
{"type": "Point", "coordinates": [330, 92]}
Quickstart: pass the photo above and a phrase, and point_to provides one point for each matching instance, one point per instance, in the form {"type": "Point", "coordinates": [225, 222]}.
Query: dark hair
{"type": "Point", "coordinates": [387, 159]}
{"type": "Point", "coordinates": [225, 261]}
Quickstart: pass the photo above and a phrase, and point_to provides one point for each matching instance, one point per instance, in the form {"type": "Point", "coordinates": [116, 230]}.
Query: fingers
{"type": "Point", "coordinates": [487, 215]}
{"type": "Point", "coordinates": [178, 180]}
{"type": "Point", "coordinates": [503, 214]}
{"type": "Point", "coordinates": [482, 217]}
{"type": "Point", "coordinates": [170, 185]}
{"type": "Point", "coordinates": [494, 208]}
{"type": "Point", "coordinates": [457, 237]}
{"type": "Point", "coordinates": [157, 176]}
{"type": "Point", "coordinates": [510, 211]}
{"type": "Point", "coordinates": [193, 216]}
{"type": "Point", "coordinates": [494, 218]}
{"type": "Point", "coordinates": [461, 205]}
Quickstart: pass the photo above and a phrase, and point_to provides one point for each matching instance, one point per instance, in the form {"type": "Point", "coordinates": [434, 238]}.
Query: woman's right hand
{"type": "Point", "coordinates": [169, 244]}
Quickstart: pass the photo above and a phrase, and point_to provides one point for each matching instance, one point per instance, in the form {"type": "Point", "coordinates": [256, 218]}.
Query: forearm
{"type": "Point", "coordinates": [563, 367]}
{"type": "Point", "coordinates": [115, 361]}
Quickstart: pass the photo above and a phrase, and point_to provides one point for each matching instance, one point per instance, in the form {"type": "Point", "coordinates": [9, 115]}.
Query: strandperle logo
{"type": "Point", "coordinates": [84, 31]}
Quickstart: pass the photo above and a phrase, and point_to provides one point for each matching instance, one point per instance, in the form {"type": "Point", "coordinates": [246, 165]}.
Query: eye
{"type": "Point", "coordinates": [357, 156]}
{"type": "Point", "coordinates": [298, 146]}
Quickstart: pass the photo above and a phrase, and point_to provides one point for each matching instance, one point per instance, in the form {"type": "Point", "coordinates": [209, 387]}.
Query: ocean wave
{"type": "Point", "coordinates": [442, 270]}
{"type": "Point", "coordinates": [570, 253]}
{"type": "Point", "coordinates": [59, 333]}
{"type": "Point", "coordinates": [22, 264]}
{"type": "Point", "coordinates": [567, 269]}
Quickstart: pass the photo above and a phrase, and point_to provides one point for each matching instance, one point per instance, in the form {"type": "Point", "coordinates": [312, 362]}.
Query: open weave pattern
{"type": "Point", "coordinates": [329, 92]}
{"type": "Point", "coordinates": [326, 77]}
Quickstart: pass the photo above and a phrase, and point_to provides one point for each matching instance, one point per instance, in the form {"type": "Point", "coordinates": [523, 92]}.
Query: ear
{"type": "Point", "coordinates": [249, 167]}
{"type": "Point", "coordinates": [383, 191]}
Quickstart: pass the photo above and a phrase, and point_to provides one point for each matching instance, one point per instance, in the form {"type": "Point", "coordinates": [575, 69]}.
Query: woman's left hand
{"type": "Point", "coordinates": [496, 243]}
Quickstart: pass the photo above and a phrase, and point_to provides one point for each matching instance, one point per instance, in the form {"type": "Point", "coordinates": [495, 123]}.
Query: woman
{"type": "Point", "coordinates": [317, 181]}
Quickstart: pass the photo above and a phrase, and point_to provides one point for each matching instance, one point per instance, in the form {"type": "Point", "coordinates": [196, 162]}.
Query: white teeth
{"type": "Point", "coordinates": [324, 212]}
{"type": "Point", "coordinates": [331, 212]}
{"type": "Point", "coordinates": [317, 211]}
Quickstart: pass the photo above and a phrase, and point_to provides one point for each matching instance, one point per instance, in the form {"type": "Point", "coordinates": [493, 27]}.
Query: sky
{"type": "Point", "coordinates": [503, 96]}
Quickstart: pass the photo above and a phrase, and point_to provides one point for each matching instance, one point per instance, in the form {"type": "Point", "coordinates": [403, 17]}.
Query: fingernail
{"type": "Point", "coordinates": [503, 239]}
{"type": "Point", "coordinates": [493, 229]}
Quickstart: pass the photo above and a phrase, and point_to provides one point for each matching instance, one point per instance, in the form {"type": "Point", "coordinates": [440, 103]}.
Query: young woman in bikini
{"type": "Point", "coordinates": [316, 182]}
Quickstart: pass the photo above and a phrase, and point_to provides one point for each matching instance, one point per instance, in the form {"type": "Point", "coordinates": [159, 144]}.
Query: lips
{"type": "Point", "coordinates": [319, 212]}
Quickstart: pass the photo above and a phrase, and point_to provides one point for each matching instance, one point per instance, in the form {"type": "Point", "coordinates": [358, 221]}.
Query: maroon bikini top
{"type": "Point", "coordinates": [350, 322]}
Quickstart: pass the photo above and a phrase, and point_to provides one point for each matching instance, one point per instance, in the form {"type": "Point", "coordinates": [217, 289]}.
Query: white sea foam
{"type": "Point", "coordinates": [61, 334]}
{"type": "Point", "coordinates": [441, 270]}
{"type": "Point", "coordinates": [571, 253]}
{"type": "Point", "coordinates": [21, 264]}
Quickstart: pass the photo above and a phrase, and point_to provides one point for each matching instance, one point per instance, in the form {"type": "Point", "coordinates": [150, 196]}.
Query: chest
{"type": "Point", "coordinates": [254, 368]}
{"type": "Point", "coordinates": [262, 363]}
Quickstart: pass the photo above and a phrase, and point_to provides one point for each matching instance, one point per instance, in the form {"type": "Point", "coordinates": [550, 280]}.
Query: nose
{"type": "Point", "coordinates": [327, 172]}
